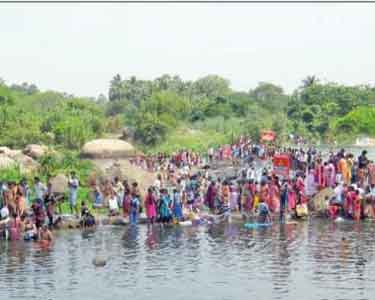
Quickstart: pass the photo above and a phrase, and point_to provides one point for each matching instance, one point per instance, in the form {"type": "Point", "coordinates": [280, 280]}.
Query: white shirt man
{"type": "Point", "coordinates": [250, 174]}
{"type": "Point", "coordinates": [4, 213]}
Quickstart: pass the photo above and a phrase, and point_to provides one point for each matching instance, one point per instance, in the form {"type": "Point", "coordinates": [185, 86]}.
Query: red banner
{"type": "Point", "coordinates": [281, 165]}
{"type": "Point", "coordinates": [267, 135]}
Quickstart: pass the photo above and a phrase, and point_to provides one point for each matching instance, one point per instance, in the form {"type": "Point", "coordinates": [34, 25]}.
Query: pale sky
{"type": "Point", "coordinates": [78, 48]}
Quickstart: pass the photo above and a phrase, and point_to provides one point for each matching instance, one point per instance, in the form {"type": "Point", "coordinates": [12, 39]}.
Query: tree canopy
{"type": "Point", "coordinates": [156, 109]}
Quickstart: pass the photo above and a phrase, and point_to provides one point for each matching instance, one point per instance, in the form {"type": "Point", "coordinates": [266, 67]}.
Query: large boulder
{"type": "Point", "coordinates": [59, 183]}
{"type": "Point", "coordinates": [5, 150]}
{"type": "Point", "coordinates": [127, 134]}
{"type": "Point", "coordinates": [11, 157]}
{"type": "Point", "coordinates": [6, 162]}
{"type": "Point", "coordinates": [35, 151]}
{"type": "Point", "coordinates": [108, 148]}
{"type": "Point", "coordinates": [26, 163]}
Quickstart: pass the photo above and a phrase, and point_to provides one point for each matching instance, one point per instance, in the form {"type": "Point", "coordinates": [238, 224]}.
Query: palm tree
{"type": "Point", "coordinates": [309, 81]}
{"type": "Point", "coordinates": [115, 88]}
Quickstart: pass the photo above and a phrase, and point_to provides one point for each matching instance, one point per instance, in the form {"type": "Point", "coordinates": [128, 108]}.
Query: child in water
{"type": "Point", "coordinates": [264, 212]}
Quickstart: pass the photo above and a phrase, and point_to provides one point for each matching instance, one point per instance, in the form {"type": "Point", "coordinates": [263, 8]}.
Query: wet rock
{"type": "Point", "coordinates": [69, 222]}
{"type": "Point", "coordinates": [118, 221]}
{"type": "Point", "coordinates": [99, 261]}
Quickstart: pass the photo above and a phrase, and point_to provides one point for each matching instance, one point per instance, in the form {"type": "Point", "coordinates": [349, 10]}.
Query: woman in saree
{"type": "Point", "coordinates": [319, 174]}
{"type": "Point", "coordinates": [225, 193]}
{"type": "Point", "coordinates": [357, 206]}
{"type": "Point", "coordinates": [343, 167]}
{"type": "Point", "coordinates": [292, 197]}
{"type": "Point", "coordinates": [275, 195]}
{"type": "Point", "coordinates": [247, 198]}
{"type": "Point", "coordinates": [150, 203]}
{"type": "Point", "coordinates": [265, 193]}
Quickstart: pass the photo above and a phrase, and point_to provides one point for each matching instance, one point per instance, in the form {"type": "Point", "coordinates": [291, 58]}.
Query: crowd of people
{"type": "Point", "coordinates": [258, 190]}
{"type": "Point", "coordinates": [160, 161]}
{"type": "Point", "coordinates": [187, 187]}
{"type": "Point", "coordinates": [31, 211]}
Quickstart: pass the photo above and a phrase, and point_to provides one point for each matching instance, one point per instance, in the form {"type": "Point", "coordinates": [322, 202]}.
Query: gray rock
{"type": "Point", "coordinates": [99, 261]}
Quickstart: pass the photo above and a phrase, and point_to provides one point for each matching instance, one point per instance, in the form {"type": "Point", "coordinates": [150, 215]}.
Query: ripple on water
{"type": "Point", "coordinates": [214, 262]}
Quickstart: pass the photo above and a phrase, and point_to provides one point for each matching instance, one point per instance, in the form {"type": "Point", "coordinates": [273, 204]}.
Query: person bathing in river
{"type": "Point", "coordinates": [87, 219]}
{"type": "Point", "coordinates": [45, 234]}
{"type": "Point", "coordinates": [15, 227]}
{"type": "Point", "coordinates": [234, 195]}
{"type": "Point", "coordinates": [284, 200]}
{"type": "Point", "coordinates": [177, 206]}
{"type": "Point", "coordinates": [150, 204]}
{"type": "Point", "coordinates": [211, 196]}
{"type": "Point", "coordinates": [134, 209]}
{"type": "Point", "coordinates": [164, 207]}
{"type": "Point", "coordinates": [126, 200]}
{"type": "Point", "coordinates": [20, 203]}
{"type": "Point", "coordinates": [39, 214]}
{"type": "Point", "coordinates": [263, 212]}
{"type": "Point", "coordinates": [31, 232]}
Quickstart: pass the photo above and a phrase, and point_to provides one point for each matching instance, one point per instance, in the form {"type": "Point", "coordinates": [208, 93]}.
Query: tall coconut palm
{"type": "Point", "coordinates": [115, 88]}
{"type": "Point", "coordinates": [309, 81]}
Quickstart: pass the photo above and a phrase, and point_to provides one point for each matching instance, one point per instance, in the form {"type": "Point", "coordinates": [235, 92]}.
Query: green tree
{"type": "Point", "coordinates": [115, 88]}
{"type": "Point", "coordinates": [6, 100]}
{"type": "Point", "coordinates": [210, 86]}
{"type": "Point", "coordinates": [270, 96]}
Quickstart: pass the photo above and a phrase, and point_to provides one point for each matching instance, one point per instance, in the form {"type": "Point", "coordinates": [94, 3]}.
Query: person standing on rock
{"type": "Point", "coordinates": [39, 189]}
{"type": "Point", "coordinates": [73, 184]}
{"type": "Point", "coordinates": [119, 190]}
{"type": "Point", "coordinates": [26, 191]}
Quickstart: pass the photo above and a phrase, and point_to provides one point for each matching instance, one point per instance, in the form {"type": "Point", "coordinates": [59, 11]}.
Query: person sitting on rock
{"type": "Point", "coordinates": [87, 219]}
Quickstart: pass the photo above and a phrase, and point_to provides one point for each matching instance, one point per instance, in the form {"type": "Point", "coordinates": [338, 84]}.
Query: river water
{"type": "Point", "coordinates": [304, 261]}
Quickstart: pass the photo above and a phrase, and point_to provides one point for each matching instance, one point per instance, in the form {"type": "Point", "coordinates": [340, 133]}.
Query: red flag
{"type": "Point", "coordinates": [267, 135]}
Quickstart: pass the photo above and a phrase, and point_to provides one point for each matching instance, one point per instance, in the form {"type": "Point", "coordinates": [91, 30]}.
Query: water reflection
{"type": "Point", "coordinates": [316, 258]}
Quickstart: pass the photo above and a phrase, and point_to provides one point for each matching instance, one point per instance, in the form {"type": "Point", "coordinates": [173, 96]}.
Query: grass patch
{"type": "Point", "coordinates": [196, 140]}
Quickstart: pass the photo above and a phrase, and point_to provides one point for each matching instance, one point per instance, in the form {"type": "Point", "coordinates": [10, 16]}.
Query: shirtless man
{"type": "Point", "coordinates": [45, 234]}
